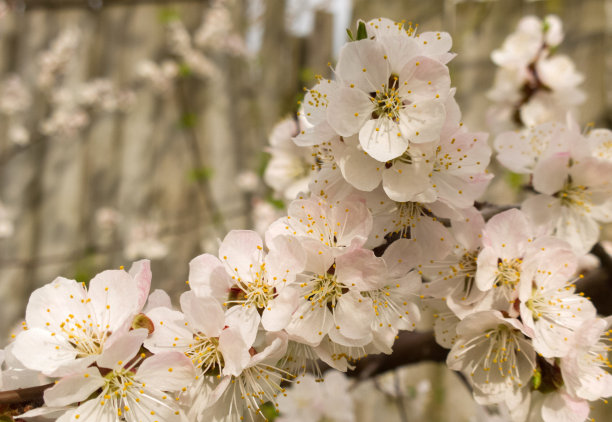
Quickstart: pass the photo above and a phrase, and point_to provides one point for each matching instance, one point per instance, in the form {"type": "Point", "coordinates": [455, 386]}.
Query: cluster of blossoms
{"type": "Point", "coordinates": [215, 35]}
{"type": "Point", "coordinates": [386, 178]}
{"type": "Point", "coordinates": [533, 84]}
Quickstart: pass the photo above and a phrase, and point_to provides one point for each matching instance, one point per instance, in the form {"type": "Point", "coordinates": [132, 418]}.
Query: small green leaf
{"type": "Point", "coordinates": [264, 159]}
{"type": "Point", "coordinates": [204, 173]}
{"type": "Point", "coordinates": [362, 34]}
{"type": "Point", "coordinates": [277, 203]}
{"type": "Point", "coordinates": [184, 70]}
{"type": "Point", "coordinates": [167, 15]}
{"type": "Point", "coordinates": [188, 120]}
{"type": "Point", "coordinates": [515, 180]}
{"type": "Point", "coordinates": [269, 411]}
{"type": "Point", "coordinates": [350, 34]}
{"type": "Point", "coordinates": [536, 380]}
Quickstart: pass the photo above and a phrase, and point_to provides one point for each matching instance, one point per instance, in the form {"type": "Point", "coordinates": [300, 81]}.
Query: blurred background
{"type": "Point", "coordinates": [137, 128]}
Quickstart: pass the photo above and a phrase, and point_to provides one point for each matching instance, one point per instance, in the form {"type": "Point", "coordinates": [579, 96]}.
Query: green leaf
{"type": "Point", "coordinates": [350, 34]}
{"type": "Point", "coordinates": [515, 180]}
{"type": "Point", "coordinates": [167, 15]}
{"type": "Point", "coordinates": [264, 159]}
{"type": "Point", "coordinates": [204, 173]}
{"type": "Point", "coordinates": [184, 70]}
{"type": "Point", "coordinates": [269, 411]}
{"type": "Point", "coordinates": [188, 120]}
{"type": "Point", "coordinates": [277, 203]}
{"type": "Point", "coordinates": [362, 34]}
{"type": "Point", "coordinates": [536, 380]}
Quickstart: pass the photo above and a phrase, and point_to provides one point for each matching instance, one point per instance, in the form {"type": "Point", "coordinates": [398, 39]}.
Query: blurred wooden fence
{"type": "Point", "coordinates": [139, 162]}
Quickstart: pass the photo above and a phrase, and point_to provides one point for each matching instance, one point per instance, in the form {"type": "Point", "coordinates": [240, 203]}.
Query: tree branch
{"type": "Point", "coordinates": [23, 395]}
{"type": "Point", "coordinates": [410, 347]}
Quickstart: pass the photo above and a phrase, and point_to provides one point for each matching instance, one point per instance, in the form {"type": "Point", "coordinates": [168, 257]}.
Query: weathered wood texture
{"type": "Point", "coordinates": [139, 162]}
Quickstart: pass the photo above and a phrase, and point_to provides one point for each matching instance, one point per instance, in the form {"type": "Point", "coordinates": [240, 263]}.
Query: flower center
{"type": "Point", "coordinates": [325, 290]}
{"type": "Point", "coordinates": [204, 353]}
{"type": "Point", "coordinates": [576, 196]}
{"type": "Point", "coordinates": [508, 272]}
{"type": "Point", "coordinates": [387, 102]}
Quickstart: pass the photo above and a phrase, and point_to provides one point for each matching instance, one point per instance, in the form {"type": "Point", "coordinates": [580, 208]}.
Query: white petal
{"type": "Point", "coordinates": [122, 349]}
{"type": "Point", "coordinates": [169, 371]}
{"type": "Point", "coordinates": [203, 313]}
{"type": "Point", "coordinates": [74, 388]}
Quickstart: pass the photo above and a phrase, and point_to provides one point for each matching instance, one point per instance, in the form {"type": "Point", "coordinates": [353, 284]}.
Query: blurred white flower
{"type": "Point", "coordinates": [108, 218]}
{"type": "Point", "coordinates": [14, 96]}
{"type": "Point", "coordinates": [217, 32]}
{"type": "Point", "coordinates": [143, 242]}
{"type": "Point", "coordinates": [311, 400]}
{"type": "Point", "coordinates": [18, 134]}
{"type": "Point", "coordinates": [247, 181]}
{"type": "Point", "coordinates": [54, 61]}
{"type": "Point", "coordinates": [161, 77]}
{"type": "Point", "coordinates": [290, 166]}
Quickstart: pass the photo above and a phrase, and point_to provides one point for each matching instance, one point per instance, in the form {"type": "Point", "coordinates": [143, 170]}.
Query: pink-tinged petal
{"type": "Point", "coordinates": [123, 349]}
{"type": "Point", "coordinates": [74, 388]}
{"type": "Point", "coordinates": [423, 78]}
{"type": "Point", "coordinates": [141, 273]}
{"type": "Point", "coordinates": [240, 251]}
{"type": "Point", "coordinates": [361, 270]}
{"type": "Point", "coordinates": [234, 350]}
{"type": "Point", "coordinates": [246, 320]}
{"type": "Point", "coordinates": [353, 222]}
{"type": "Point", "coordinates": [487, 269]}
{"type": "Point", "coordinates": [46, 413]}
{"type": "Point", "coordinates": [114, 298]}
{"type": "Point", "coordinates": [436, 44]}
{"type": "Point", "coordinates": [285, 259]}
{"type": "Point", "coordinates": [168, 325]}
{"type": "Point", "coordinates": [560, 407]}
{"type": "Point", "coordinates": [276, 346]}
{"type": "Point", "coordinates": [508, 233]}
{"type": "Point", "coordinates": [203, 313]}
{"type": "Point", "coordinates": [363, 64]}
{"type": "Point", "coordinates": [169, 371]}
{"type": "Point", "coordinates": [315, 135]}
{"type": "Point", "coordinates": [422, 121]}
{"type": "Point", "coordinates": [50, 305]}
{"type": "Point", "coordinates": [401, 50]}
{"type": "Point", "coordinates": [543, 210]}
{"type": "Point", "coordinates": [278, 313]}
{"type": "Point", "coordinates": [550, 174]}
{"type": "Point", "coordinates": [403, 182]}
{"type": "Point", "coordinates": [434, 239]}
{"type": "Point", "coordinates": [468, 230]}
{"type": "Point", "coordinates": [348, 110]}
{"type": "Point", "coordinates": [383, 139]}
{"type": "Point", "coordinates": [208, 277]}
{"type": "Point", "coordinates": [402, 256]}
{"type": "Point", "coordinates": [310, 323]}
{"type": "Point", "coordinates": [40, 350]}
{"type": "Point", "coordinates": [353, 316]}
{"type": "Point", "coordinates": [158, 298]}
{"type": "Point", "coordinates": [360, 170]}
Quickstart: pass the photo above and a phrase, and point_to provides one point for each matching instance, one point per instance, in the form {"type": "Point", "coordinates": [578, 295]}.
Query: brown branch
{"type": "Point", "coordinates": [23, 395]}
{"type": "Point", "coordinates": [410, 347]}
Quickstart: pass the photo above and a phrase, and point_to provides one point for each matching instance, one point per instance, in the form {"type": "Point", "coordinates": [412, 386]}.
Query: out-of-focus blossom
{"type": "Point", "coordinates": [143, 241]}
{"type": "Point", "coordinates": [315, 400]}
{"type": "Point", "coordinates": [53, 62]}
{"type": "Point", "coordinates": [290, 166]}
{"type": "Point", "coordinates": [247, 181]}
{"type": "Point", "coordinates": [533, 84]}
{"type": "Point", "coordinates": [217, 31]}
{"type": "Point", "coordinates": [14, 96]}
{"type": "Point", "coordinates": [161, 77]}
